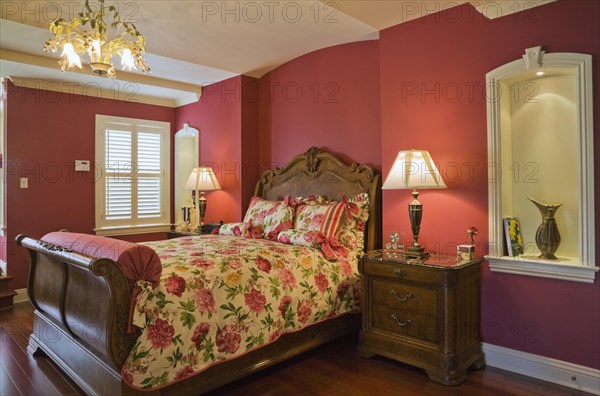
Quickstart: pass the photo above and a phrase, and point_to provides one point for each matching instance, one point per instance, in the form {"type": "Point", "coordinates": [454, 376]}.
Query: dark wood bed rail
{"type": "Point", "coordinates": [91, 309]}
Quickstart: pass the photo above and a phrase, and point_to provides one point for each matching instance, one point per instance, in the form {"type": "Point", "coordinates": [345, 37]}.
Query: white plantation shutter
{"type": "Point", "coordinates": [134, 158]}
{"type": "Point", "coordinates": [118, 172]}
{"type": "Point", "coordinates": [149, 175]}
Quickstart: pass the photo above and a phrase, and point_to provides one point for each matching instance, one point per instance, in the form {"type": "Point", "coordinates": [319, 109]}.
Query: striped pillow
{"type": "Point", "coordinates": [324, 218]}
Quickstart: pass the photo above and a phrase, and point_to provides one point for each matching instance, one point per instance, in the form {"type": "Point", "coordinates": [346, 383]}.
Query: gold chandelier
{"type": "Point", "coordinates": [74, 39]}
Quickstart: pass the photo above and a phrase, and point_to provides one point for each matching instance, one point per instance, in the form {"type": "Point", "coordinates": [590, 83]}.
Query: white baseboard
{"type": "Point", "coordinates": [547, 369]}
{"type": "Point", "coordinates": [21, 296]}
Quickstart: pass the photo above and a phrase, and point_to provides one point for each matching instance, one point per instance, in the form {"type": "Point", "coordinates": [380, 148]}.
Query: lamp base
{"type": "Point", "coordinates": [416, 252]}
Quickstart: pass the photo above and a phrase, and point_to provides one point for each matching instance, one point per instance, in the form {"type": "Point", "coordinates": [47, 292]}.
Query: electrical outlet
{"type": "Point", "coordinates": [24, 182]}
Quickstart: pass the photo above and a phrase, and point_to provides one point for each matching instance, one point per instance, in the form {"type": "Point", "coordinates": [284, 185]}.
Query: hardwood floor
{"type": "Point", "coordinates": [331, 370]}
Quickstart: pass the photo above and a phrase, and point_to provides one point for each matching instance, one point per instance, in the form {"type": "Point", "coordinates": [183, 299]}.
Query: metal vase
{"type": "Point", "coordinates": [547, 236]}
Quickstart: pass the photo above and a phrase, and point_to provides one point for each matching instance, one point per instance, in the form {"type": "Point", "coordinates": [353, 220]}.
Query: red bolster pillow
{"type": "Point", "coordinates": [138, 262]}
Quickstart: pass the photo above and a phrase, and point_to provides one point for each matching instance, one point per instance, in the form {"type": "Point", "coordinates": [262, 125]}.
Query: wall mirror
{"type": "Point", "coordinates": [187, 149]}
{"type": "Point", "coordinates": [540, 145]}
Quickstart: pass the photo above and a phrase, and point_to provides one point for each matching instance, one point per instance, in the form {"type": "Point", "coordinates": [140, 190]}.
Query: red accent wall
{"type": "Point", "coordinates": [433, 97]}
{"type": "Point", "coordinates": [227, 117]}
{"type": "Point", "coordinates": [329, 99]}
{"type": "Point", "coordinates": [46, 132]}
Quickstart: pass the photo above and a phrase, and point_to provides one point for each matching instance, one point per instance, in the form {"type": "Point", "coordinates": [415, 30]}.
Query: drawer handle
{"type": "Point", "coordinates": [401, 299]}
{"type": "Point", "coordinates": [402, 324]}
{"type": "Point", "coordinates": [399, 271]}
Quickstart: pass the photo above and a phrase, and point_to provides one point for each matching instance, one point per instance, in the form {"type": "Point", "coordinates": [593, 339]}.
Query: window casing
{"type": "Point", "coordinates": [2, 156]}
{"type": "Point", "coordinates": [132, 187]}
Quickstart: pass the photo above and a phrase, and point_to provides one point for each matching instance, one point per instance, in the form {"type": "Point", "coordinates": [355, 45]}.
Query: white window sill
{"type": "Point", "coordinates": [129, 230]}
{"type": "Point", "coordinates": [563, 268]}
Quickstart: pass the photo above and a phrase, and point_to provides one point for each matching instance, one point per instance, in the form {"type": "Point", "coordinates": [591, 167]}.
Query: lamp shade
{"type": "Point", "coordinates": [202, 179]}
{"type": "Point", "coordinates": [413, 169]}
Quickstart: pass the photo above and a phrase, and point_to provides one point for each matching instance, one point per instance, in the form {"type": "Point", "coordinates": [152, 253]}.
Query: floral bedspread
{"type": "Point", "coordinates": [221, 296]}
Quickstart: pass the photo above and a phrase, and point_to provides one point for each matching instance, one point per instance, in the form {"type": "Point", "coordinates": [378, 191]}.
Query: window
{"type": "Point", "coordinates": [132, 192]}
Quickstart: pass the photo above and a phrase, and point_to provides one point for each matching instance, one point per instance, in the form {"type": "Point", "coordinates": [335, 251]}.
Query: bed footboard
{"type": "Point", "coordinates": [81, 313]}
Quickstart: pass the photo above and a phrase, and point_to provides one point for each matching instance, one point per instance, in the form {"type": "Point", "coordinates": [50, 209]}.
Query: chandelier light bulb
{"type": "Point", "coordinates": [95, 51]}
{"type": "Point", "coordinates": [127, 60]}
{"type": "Point", "coordinates": [72, 57]}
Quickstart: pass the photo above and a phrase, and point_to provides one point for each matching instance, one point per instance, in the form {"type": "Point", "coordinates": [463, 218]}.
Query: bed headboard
{"type": "Point", "coordinates": [319, 172]}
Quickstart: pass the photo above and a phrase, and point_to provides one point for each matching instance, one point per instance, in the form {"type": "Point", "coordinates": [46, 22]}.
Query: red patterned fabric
{"type": "Point", "coordinates": [332, 220]}
{"type": "Point", "coordinates": [269, 215]}
{"type": "Point", "coordinates": [325, 218]}
{"type": "Point", "coordinates": [138, 262]}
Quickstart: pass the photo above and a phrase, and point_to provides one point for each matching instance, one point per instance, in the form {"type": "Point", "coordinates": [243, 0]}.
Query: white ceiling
{"type": "Point", "coordinates": [192, 43]}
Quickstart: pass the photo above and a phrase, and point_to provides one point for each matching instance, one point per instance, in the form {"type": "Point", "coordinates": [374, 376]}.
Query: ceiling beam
{"type": "Point", "coordinates": [42, 61]}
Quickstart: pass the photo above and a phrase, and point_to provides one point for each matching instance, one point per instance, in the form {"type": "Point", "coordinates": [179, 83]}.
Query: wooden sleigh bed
{"type": "Point", "coordinates": [82, 303]}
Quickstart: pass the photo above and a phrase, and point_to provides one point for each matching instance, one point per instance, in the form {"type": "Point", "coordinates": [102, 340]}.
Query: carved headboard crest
{"type": "Point", "coordinates": [312, 158]}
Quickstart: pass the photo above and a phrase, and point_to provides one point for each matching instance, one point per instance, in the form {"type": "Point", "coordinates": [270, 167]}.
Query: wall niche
{"type": "Point", "coordinates": [540, 145]}
{"type": "Point", "coordinates": [187, 149]}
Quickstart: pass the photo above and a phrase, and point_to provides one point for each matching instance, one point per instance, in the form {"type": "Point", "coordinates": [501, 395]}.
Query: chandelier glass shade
{"type": "Point", "coordinates": [88, 34]}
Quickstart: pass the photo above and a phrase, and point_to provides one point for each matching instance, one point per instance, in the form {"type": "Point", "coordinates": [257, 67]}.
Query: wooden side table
{"type": "Point", "coordinates": [207, 229]}
{"type": "Point", "coordinates": [422, 312]}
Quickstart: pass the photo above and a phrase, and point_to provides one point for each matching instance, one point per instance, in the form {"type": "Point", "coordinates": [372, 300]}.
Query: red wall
{"type": "Point", "coordinates": [46, 132]}
{"type": "Point", "coordinates": [227, 117]}
{"type": "Point", "coordinates": [432, 97]}
{"type": "Point", "coordinates": [420, 86]}
{"type": "Point", "coordinates": [251, 168]}
{"type": "Point", "coordinates": [328, 98]}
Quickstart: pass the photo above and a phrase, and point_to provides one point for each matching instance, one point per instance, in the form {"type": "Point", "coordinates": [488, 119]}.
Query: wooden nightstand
{"type": "Point", "coordinates": [207, 229]}
{"type": "Point", "coordinates": [424, 313]}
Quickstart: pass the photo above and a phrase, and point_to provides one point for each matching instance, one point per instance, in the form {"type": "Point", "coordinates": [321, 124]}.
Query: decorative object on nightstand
{"type": "Point", "coordinates": [424, 312]}
{"type": "Point", "coordinates": [467, 251]}
{"type": "Point", "coordinates": [393, 247]}
{"type": "Point", "coordinates": [201, 179]}
{"type": "Point", "coordinates": [414, 169]}
{"type": "Point", "coordinates": [547, 237]}
{"type": "Point", "coordinates": [472, 231]}
{"type": "Point", "coordinates": [184, 225]}
{"type": "Point", "coordinates": [206, 230]}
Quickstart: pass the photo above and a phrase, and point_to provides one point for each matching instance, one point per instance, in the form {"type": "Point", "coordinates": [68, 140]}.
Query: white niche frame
{"type": "Point", "coordinates": [579, 269]}
{"type": "Point", "coordinates": [187, 140]}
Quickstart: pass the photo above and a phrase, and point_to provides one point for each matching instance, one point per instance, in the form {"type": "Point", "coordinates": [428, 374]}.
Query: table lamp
{"type": "Point", "coordinates": [201, 179]}
{"type": "Point", "coordinates": [414, 169]}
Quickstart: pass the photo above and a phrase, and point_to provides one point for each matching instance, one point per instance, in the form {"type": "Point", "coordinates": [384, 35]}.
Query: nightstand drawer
{"type": "Point", "coordinates": [405, 323]}
{"type": "Point", "coordinates": [404, 297]}
{"type": "Point", "coordinates": [403, 271]}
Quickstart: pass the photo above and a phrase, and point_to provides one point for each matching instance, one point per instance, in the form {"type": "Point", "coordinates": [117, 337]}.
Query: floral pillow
{"type": "Point", "coordinates": [246, 230]}
{"type": "Point", "coordinates": [325, 218]}
{"type": "Point", "coordinates": [352, 232]}
{"type": "Point", "coordinates": [331, 248]}
{"type": "Point", "coordinates": [232, 229]}
{"type": "Point", "coordinates": [270, 216]}
{"type": "Point", "coordinates": [300, 237]}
